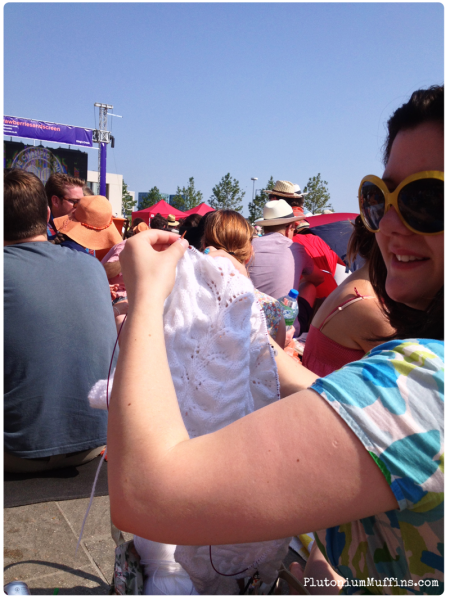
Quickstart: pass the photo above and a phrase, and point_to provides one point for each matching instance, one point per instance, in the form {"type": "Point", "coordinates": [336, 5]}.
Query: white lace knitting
{"type": "Point", "coordinates": [217, 346]}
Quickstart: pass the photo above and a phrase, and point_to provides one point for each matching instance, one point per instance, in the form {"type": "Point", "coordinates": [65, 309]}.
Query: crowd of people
{"type": "Point", "coordinates": [223, 443]}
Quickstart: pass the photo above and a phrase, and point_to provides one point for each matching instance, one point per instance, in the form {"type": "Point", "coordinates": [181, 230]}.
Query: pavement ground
{"type": "Point", "coordinates": [40, 542]}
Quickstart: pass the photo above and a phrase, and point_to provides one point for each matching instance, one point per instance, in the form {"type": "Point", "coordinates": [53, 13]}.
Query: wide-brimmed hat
{"type": "Point", "coordinates": [302, 224]}
{"type": "Point", "coordinates": [284, 189]}
{"type": "Point", "coordinates": [276, 212]}
{"type": "Point", "coordinates": [90, 224]}
{"type": "Point", "coordinates": [171, 221]}
{"type": "Point", "coordinates": [298, 190]}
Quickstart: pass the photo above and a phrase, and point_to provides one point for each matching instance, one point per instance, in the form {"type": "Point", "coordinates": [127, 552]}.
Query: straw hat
{"type": "Point", "coordinates": [171, 221]}
{"type": "Point", "coordinates": [285, 189]}
{"type": "Point", "coordinates": [302, 224]}
{"type": "Point", "coordinates": [90, 224]}
{"type": "Point", "coordinates": [277, 212]}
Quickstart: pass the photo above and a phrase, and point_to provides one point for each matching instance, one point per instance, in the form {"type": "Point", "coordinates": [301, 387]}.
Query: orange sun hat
{"type": "Point", "coordinates": [140, 227]}
{"type": "Point", "coordinates": [90, 224]}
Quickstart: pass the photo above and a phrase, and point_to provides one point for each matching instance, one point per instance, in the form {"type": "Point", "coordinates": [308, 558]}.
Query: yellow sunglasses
{"type": "Point", "coordinates": [418, 200]}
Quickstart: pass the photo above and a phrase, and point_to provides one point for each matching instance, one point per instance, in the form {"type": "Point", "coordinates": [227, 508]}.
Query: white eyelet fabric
{"type": "Point", "coordinates": [223, 368]}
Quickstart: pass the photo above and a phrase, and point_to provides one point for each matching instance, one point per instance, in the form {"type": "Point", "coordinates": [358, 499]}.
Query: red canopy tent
{"type": "Point", "coordinates": [160, 207]}
{"type": "Point", "coordinates": [318, 220]}
{"type": "Point", "coordinates": [201, 209]}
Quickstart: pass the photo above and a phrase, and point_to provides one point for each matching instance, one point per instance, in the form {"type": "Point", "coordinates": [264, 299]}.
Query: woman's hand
{"type": "Point", "coordinates": [289, 336]}
{"type": "Point", "coordinates": [149, 263]}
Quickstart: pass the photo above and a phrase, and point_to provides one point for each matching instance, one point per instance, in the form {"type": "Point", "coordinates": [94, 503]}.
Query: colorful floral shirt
{"type": "Point", "coordinates": [272, 312]}
{"type": "Point", "coordinates": [393, 400]}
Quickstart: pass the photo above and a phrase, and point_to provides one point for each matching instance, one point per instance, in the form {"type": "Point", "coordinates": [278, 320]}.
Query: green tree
{"type": "Point", "coordinates": [151, 198]}
{"type": "Point", "coordinates": [127, 201]}
{"type": "Point", "coordinates": [187, 197]}
{"type": "Point", "coordinates": [318, 197]}
{"type": "Point", "coordinates": [227, 194]}
{"type": "Point", "coordinates": [255, 208]}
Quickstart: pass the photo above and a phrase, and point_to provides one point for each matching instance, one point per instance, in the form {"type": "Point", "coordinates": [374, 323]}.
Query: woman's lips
{"type": "Point", "coordinates": [406, 260]}
{"type": "Point", "coordinates": [404, 251]}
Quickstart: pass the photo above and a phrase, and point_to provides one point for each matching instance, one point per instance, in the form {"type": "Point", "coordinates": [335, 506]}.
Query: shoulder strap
{"type": "Point", "coordinates": [345, 304]}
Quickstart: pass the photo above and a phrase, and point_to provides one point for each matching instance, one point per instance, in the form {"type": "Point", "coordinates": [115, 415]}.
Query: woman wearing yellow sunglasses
{"type": "Point", "coordinates": [356, 457]}
{"type": "Point", "coordinates": [406, 210]}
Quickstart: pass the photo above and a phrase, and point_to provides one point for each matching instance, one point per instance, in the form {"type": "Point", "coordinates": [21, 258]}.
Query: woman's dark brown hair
{"type": "Point", "coordinates": [228, 230]}
{"type": "Point", "coordinates": [136, 222]}
{"type": "Point", "coordinates": [158, 222]}
{"type": "Point", "coordinates": [362, 242]}
{"type": "Point", "coordinates": [194, 235]}
{"type": "Point", "coordinates": [188, 222]}
{"type": "Point", "coordinates": [423, 106]}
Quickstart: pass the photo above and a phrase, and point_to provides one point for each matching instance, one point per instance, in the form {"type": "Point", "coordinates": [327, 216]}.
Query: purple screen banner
{"type": "Point", "coordinates": [49, 132]}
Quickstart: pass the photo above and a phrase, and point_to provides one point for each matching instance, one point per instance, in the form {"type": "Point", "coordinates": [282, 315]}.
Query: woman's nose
{"type": "Point", "coordinates": [391, 223]}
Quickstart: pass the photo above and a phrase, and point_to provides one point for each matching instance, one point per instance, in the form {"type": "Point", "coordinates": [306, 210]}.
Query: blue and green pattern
{"type": "Point", "coordinates": [393, 400]}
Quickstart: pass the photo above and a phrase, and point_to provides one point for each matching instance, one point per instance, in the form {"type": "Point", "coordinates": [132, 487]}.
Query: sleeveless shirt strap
{"type": "Point", "coordinates": [344, 305]}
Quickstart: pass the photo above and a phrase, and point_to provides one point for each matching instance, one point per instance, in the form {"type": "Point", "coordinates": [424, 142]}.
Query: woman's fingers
{"type": "Point", "coordinates": [149, 262]}
{"type": "Point", "coordinates": [157, 238]}
{"type": "Point", "coordinates": [297, 571]}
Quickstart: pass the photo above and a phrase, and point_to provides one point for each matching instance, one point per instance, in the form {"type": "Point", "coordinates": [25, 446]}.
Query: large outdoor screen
{"type": "Point", "coordinates": [45, 161]}
{"type": "Point", "coordinates": [47, 132]}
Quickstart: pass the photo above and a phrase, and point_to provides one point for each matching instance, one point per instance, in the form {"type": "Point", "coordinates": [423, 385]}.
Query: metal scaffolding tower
{"type": "Point", "coordinates": [102, 137]}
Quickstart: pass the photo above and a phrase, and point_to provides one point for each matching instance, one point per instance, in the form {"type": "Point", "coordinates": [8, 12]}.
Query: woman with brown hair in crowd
{"type": "Point", "coordinates": [229, 231]}
{"type": "Point", "coordinates": [357, 457]}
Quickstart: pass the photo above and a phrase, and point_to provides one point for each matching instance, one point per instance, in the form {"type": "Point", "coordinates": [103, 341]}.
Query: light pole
{"type": "Point", "coordinates": [254, 179]}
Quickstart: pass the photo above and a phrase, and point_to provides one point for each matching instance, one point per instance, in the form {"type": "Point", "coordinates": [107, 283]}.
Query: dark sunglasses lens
{"type": "Point", "coordinates": [372, 204]}
{"type": "Point", "coordinates": [421, 204]}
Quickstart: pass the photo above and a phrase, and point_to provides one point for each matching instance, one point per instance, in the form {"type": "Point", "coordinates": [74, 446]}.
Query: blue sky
{"type": "Point", "coordinates": [256, 89]}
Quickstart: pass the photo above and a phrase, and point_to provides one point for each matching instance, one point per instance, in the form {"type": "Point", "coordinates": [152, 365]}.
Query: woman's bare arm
{"type": "Point", "coordinates": [291, 467]}
{"type": "Point", "coordinates": [280, 338]}
{"type": "Point", "coordinates": [292, 375]}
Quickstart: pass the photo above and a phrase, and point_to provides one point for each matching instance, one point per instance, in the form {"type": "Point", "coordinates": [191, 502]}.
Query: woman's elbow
{"type": "Point", "coordinates": [122, 514]}
{"type": "Point", "coordinates": [126, 504]}
{"type": "Point", "coordinates": [139, 511]}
